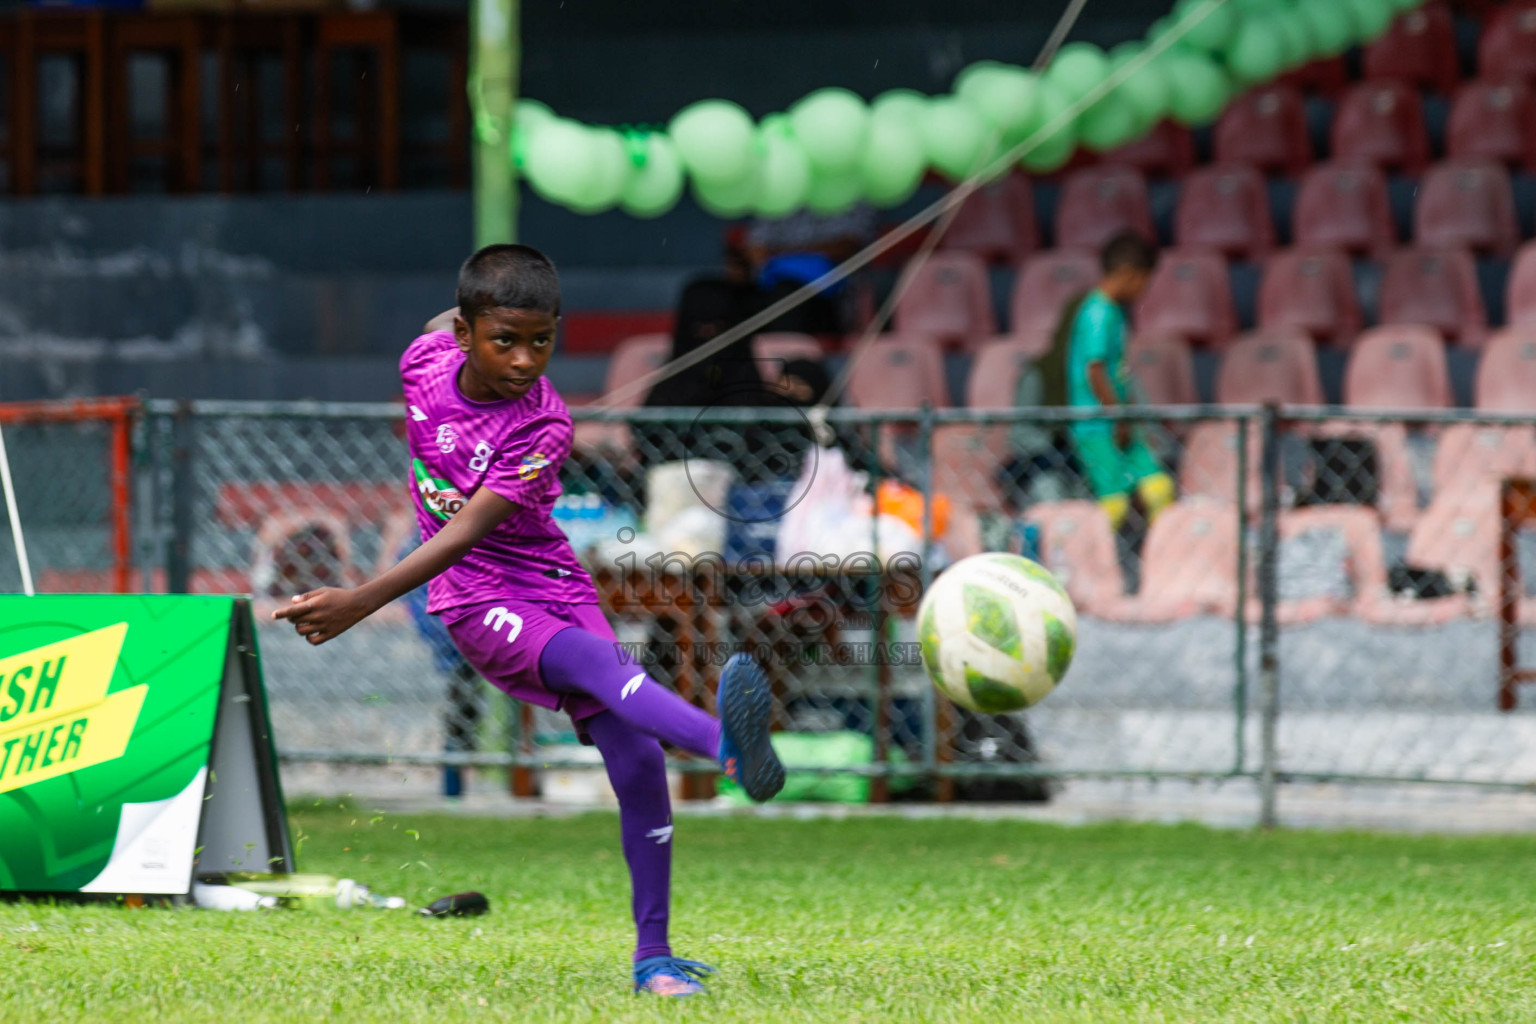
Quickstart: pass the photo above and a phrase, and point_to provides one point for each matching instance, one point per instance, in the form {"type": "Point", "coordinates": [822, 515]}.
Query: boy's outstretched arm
{"type": "Point", "coordinates": [323, 614]}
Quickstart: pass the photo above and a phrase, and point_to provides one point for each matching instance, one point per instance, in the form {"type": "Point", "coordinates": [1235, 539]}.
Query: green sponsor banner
{"type": "Point", "coordinates": [109, 712]}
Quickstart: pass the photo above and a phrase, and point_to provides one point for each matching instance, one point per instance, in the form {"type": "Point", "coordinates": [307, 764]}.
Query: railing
{"type": "Point", "coordinates": [1327, 599]}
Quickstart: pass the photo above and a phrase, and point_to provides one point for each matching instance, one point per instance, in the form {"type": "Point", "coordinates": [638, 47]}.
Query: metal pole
{"type": "Point", "coordinates": [1269, 638]}
{"type": "Point", "coordinates": [495, 55]}
{"type": "Point", "coordinates": [930, 701]}
{"type": "Point", "coordinates": [178, 567]}
{"type": "Point", "coordinates": [1240, 683]}
{"type": "Point", "coordinates": [16, 535]}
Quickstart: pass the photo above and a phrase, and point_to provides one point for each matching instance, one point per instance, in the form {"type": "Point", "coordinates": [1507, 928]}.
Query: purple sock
{"type": "Point", "coordinates": [638, 770]}
{"type": "Point", "coordinates": [575, 660]}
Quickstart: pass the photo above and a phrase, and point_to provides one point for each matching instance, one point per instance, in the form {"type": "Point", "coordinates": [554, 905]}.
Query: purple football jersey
{"type": "Point", "coordinates": [516, 448]}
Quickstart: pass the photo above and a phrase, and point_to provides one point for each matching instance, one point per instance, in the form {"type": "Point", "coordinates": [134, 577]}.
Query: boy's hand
{"type": "Point", "coordinates": [1122, 434]}
{"type": "Point", "coordinates": [324, 614]}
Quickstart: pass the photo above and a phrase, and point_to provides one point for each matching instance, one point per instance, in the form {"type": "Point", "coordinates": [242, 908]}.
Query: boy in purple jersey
{"type": "Point", "coordinates": [488, 435]}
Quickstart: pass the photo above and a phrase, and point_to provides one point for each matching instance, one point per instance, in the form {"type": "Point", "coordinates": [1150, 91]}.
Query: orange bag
{"type": "Point", "coordinates": [895, 498]}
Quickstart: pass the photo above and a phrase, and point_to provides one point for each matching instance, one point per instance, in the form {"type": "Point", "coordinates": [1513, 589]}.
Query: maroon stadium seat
{"type": "Point", "coordinates": [1163, 369]}
{"type": "Point", "coordinates": [1097, 202]}
{"type": "Point", "coordinates": [1270, 366]}
{"type": "Point", "coordinates": [1268, 129]}
{"type": "Point", "coordinates": [1313, 291]}
{"type": "Point", "coordinates": [632, 359]}
{"type": "Point", "coordinates": [1047, 282]}
{"type": "Point", "coordinates": [1398, 366]}
{"type": "Point", "coordinates": [997, 222]}
{"type": "Point", "coordinates": [1419, 48]}
{"type": "Point", "coordinates": [1466, 203]}
{"type": "Point", "coordinates": [1436, 288]}
{"type": "Point", "coordinates": [772, 351]}
{"type": "Point", "coordinates": [1078, 545]}
{"type": "Point", "coordinates": [1493, 121]}
{"type": "Point", "coordinates": [1506, 49]}
{"type": "Point", "coordinates": [899, 371]}
{"type": "Point", "coordinates": [949, 298]}
{"type": "Point", "coordinates": [995, 371]}
{"type": "Point", "coordinates": [1520, 292]}
{"type": "Point", "coordinates": [1167, 151]}
{"type": "Point", "coordinates": [1189, 565]}
{"type": "Point", "coordinates": [1189, 295]}
{"type": "Point", "coordinates": [1344, 206]}
{"type": "Point", "coordinates": [1381, 123]}
{"type": "Point", "coordinates": [1506, 372]}
{"type": "Point", "coordinates": [1225, 207]}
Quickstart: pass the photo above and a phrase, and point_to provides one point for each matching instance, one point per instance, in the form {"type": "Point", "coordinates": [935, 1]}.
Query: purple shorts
{"type": "Point", "coordinates": [504, 640]}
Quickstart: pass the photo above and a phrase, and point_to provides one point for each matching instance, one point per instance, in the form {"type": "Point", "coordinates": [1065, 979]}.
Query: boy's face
{"type": "Point", "coordinates": [1125, 284]}
{"type": "Point", "coordinates": [506, 351]}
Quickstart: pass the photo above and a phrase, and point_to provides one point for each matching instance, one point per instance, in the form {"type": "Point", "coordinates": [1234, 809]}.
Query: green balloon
{"type": "Point", "coordinates": [1257, 53]}
{"type": "Point", "coordinates": [893, 162]}
{"type": "Point", "coordinates": [830, 124]}
{"type": "Point", "coordinates": [729, 198]}
{"type": "Point", "coordinates": [655, 185]}
{"type": "Point", "coordinates": [902, 103]}
{"type": "Point", "coordinates": [1330, 24]}
{"type": "Point", "coordinates": [1147, 88]}
{"type": "Point", "coordinates": [561, 162]}
{"type": "Point", "coordinates": [1300, 47]}
{"type": "Point", "coordinates": [786, 175]}
{"type": "Point", "coordinates": [1200, 88]}
{"type": "Point", "coordinates": [716, 141]}
{"type": "Point", "coordinates": [776, 124]}
{"type": "Point", "coordinates": [1109, 124]}
{"type": "Point", "coordinates": [956, 138]}
{"type": "Point", "coordinates": [610, 172]}
{"type": "Point", "coordinates": [1210, 27]}
{"type": "Point", "coordinates": [526, 116]}
{"type": "Point", "coordinates": [1371, 17]}
{"type": "Point", "coordinates": [1004, 95]}
{"type": "Point", "coordinates": [1077, 69]}
{"type": "Point", "coordinates": [1050, 145]}
{"type": "Point", "coordinates": [833, 193]}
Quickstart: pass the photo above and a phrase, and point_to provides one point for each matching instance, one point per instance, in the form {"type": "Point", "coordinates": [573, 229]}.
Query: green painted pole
{"type": "Point", "coordinates": [494, 57]}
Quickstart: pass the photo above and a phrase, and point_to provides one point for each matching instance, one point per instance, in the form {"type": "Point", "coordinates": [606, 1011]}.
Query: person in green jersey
{"type": "Point", "coordinates": [1113, 453]}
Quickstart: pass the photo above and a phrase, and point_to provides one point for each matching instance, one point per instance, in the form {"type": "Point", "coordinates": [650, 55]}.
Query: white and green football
{"type": "Point", "coordinates": [997, 632]}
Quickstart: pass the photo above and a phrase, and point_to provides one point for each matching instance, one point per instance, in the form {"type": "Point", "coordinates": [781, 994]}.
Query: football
{"type": "Point", "coordinates": [997, 632]}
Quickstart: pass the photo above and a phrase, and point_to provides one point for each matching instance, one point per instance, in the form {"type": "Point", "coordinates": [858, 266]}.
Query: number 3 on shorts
{"type": "Point", "coordinates": [497, 617]}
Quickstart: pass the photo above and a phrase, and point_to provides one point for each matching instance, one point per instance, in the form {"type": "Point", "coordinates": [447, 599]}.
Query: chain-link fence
{"type": "Point", "coordinates": [1283, 594]}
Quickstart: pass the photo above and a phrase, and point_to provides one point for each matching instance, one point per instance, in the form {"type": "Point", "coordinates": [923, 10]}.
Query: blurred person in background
{"type": "Point", "coordinates": [1113, 453]}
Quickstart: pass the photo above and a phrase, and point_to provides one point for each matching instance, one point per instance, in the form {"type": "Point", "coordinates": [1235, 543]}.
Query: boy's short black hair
{"type": "Point", "coordinates": [510, 276]}
{"type": "Point", "coordinates": [1128, 249]}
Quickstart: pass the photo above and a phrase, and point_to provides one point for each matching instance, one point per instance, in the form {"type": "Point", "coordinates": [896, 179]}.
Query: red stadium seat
{"type": "Point", "coordinates": [1343, 206]}
{"type": "Point", "coordinates": [1167, 151]}
{"type": "Point", "coordinates": [1327, 76]}
{"type": "Point", "coordinates": [1209, 466]}
{"type": "Point", "coordinates": [1042, 289]}
{"type": "Point", "coordinates": [1364, 561]}
{"type": "Point", "coordinates": [899, 372]}
{"type": "Point", "coordinates": [1419, 48]}
{"type": "Point", "coordinates": [1225, 207]}
{"type": "Point", "coordinates": [1506, 372]}
{"type": "Point", "coordinates": [1266, 128]}
{"type": "Point", "coordinates": [772, 351]}
{"type": "Point", "coordinates": [950, 298]}
{"type": "Point", "coordinates": [1098, 202]}
{"type": "Point", "coordinates": [1078, 545]}
{"type": "Point", "coordinates": [1189, 565]}
{"type": "Point", "coordinates": [632, 358]}
{"type": "Point", "coordinates": [1520, 291]}
{"type": "Point", "coordinates": [1163, 369]}
{"type": "Point", "coordinates": [1381, 123]}
{"type": "Point", "coordinates": [1436, 288]}
{"type": "Point", "coordinates": [1458, 534]}
{"type": "Point", "coordinates": [1313, 291]}
{"type": "Point", "coordinates": [1506, 48]}
{"type": "Point", "coordinates": [1398, 366]}
{"type": "Point", "coordinates": [1189, 295]}
{"type": "Point", "coordinates": [1493, 121]}
{"type": "Point", "coordinates": [995, 371]}
{"type": "Point", "coordinates": [1469, 453]}
{"type": "Point", "coordinates": [966, 461]}
{"type": "Point", "coordinates": [997, 222]}
{"type": "Point", "coordinates": [1466, 203]}
{"type": "Point", "coordinates": [1270, 366]}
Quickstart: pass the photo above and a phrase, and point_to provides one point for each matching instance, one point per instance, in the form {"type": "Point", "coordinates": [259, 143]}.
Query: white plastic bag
{"type": "Point", "coordinates": [834, 515]}
{"type": "Point", "coordinates": [681, 503]}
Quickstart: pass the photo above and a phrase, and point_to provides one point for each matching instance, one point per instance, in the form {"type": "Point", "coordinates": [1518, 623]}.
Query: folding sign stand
{"type": "Point", "coordinates": [135, 746]}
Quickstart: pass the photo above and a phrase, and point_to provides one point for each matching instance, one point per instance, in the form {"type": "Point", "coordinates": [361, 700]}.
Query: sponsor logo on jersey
{"type": "Point", "coordinates": [438, 496]}
{"type": "Point", "coordinates": [531, 464]}
{"type": "Point", "coordinates": [447, 437]}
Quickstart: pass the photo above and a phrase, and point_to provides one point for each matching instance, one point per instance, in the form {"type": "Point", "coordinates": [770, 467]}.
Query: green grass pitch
{"type": "Point", "coordinates": [875, 919]}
